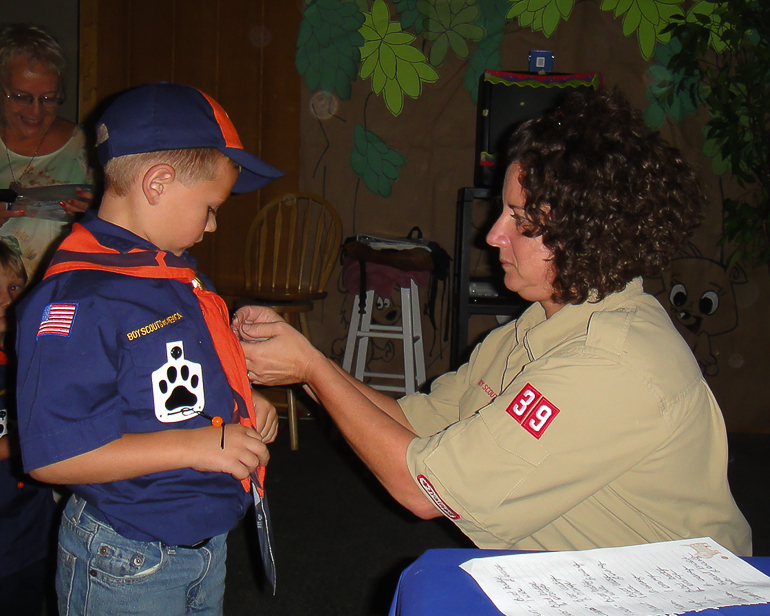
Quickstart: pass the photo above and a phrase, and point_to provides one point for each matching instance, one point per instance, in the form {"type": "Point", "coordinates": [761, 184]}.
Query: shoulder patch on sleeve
{"type": "Point", "coordinates": [57, 320]}
{"type": "Point", "coordinates": [427, 486]}
{"type": "Point", "coordinates": [532, 410]}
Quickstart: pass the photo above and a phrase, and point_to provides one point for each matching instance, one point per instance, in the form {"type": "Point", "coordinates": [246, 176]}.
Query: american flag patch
{"type": "Point", "coordinates": [57, 320]}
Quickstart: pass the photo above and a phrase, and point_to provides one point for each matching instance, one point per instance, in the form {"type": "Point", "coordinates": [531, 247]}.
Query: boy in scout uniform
{"type": "Point", "coordinates": [132, 388]}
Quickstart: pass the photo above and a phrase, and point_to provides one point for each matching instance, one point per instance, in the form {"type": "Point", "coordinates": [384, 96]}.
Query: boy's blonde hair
{"type": "Point", "coordinates": [11, 261]}
{"type": "Point", "coordinates": [192, 165]}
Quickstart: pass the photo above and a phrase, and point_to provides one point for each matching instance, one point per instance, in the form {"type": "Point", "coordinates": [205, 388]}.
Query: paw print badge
{"type": "Point", "coordinates": [177, 386]}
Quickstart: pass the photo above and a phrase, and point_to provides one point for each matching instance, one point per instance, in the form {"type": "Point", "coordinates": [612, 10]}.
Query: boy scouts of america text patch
{"type": "Point", "coordinates": [532, 410]}
{"type": "Point", "coordinates": [427, 486]}
{"type": "Point", "coordinates": [57, 320]}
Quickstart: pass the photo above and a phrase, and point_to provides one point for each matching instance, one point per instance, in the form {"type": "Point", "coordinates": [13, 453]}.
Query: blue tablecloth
{"type": "Point", "coordinates": [434, 585]}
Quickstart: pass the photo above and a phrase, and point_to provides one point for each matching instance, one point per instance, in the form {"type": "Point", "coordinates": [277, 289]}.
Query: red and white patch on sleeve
{"type": "Point", "coordinates": [532, 410]}
{"type": "Point", "coordinates": [427, 486]}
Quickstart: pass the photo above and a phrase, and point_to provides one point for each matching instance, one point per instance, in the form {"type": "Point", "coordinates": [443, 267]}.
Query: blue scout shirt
{"type": "Point", "coordinates": [102, 355]}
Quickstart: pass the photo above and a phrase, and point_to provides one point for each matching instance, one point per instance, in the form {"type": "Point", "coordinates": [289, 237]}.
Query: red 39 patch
{"type": "Point", "coordinates": [532, 410]}
{"type": "Point", "coordinates": [427, 486]}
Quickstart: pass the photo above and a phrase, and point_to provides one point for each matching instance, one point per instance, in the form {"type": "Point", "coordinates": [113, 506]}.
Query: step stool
{"type": "Point", "coordinates": [409, 332]}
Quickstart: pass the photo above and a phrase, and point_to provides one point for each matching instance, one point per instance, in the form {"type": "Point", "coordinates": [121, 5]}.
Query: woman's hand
{"type": "Point", "coordinates": [276, 353]}
{"type": "Point", "coordinates": [6, 214]}
{"type": "Point", "coordinates": [248, 316]}
{"type": "Point", "coordinates": [79, 204]}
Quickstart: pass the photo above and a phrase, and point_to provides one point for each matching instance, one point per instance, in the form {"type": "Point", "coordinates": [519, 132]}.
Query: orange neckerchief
{"type": "Point", "coordinates": [82, 251]}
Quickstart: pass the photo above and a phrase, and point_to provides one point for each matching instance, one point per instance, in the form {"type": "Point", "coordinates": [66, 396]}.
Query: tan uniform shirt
{"type": "Point", "coordinates": [594, 428]}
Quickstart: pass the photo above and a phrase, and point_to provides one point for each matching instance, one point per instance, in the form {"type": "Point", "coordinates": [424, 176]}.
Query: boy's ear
{"type": "Point", "coordinates": [156, 181]}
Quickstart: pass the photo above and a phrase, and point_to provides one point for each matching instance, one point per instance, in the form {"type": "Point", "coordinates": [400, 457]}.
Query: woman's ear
{"type": "Point", "coordinates": [156, 182]}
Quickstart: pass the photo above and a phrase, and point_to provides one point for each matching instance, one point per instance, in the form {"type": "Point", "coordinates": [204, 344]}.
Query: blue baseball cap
{"type": "Point", "coordinates": [170, 116]}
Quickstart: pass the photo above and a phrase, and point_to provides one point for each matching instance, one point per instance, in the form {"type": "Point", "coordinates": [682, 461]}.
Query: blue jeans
{"type": "Point", "coordinates": [102, 573]}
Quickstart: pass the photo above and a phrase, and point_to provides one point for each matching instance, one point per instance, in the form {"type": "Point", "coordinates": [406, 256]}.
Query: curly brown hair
{"type": "Point", "coordinates": [610, 198]}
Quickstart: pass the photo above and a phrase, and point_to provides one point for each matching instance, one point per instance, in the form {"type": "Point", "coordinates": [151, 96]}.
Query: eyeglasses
{"type": "Point", "coordinates": [20, 101]}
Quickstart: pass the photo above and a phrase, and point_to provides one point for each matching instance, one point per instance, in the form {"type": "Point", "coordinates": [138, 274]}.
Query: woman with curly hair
{"type": "Point", "coordinates": [586, 422]}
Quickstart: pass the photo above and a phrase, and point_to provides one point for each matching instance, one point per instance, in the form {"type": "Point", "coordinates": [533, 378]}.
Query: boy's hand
{"type": "Point", "coordinates": [243, 450]}
{"type": "Point", "coordinates": [266, 415]}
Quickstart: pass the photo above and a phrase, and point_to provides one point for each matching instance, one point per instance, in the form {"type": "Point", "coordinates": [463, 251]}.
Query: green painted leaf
{"type": "Point", "coordinates": [438, 51]}
{"type": "Point", "coordinates": [343, 86]}
{"type": "Point", "coordinates": [632, 20]}
{"type": "Point", "coordinates": [369, 33]}
{"type": "Point", "coordinates": [565, 8]}
{"type": "Point", "coordinates": [377, 143]}
{"type": "Point", "coordinates": [536, 5]}
{"type": "Point", "coordinates": [394, 158]}
{"type": "Point", "coordinates": [398, 38]}
{"type": "Point", "coordinates": [551, 17]}
{"type": "Point", "coordinates": [378, 79]}
{"type": "Point", "coordinates": [380, 17]}
{"type": "Point", "coordinates": [394, 97]}
{"type": "Point", "coordinates": [458, 44]}
{"type": "Point", "coordinates": [368, 66]}
{"type": "Point", "coordinates": [517, 8]}
{"type": "Point", "coordinates": [471, 32]}
{"type": "Point", "coordinates": [426, 72]}
{"type": "Point", "coordinates": [443, 14]}
{"type": "Point", "coordinates": [357, 162]}
{"type": "Point", "coordinates": [622, 7]}
{"type": "Point", "coordinates": [646, 37]}
{"type": "Point", "coordinates": [411, 17]}
{"type": "Point", "coordinates": [537, 22]}
{"type": "Point", "coordinates": [359, 138]}
{"type": "Point", "coordinates": [372, 181]}
{"type": "Point", "coordinates": [654, 116]}
{"type": "Point", "coordinates": [370, 47]}
{"type": "Point", "coordinates": [526, 19]}
{"type": "Point", "coordinates": [408, 79]}
{"type": "Point", "coordinates": [388, 61]}
{"type": "Point", "coordinates": [347, 67]}
{"type": "Point", "coordinates": [301, 61]}
{"type": "Point", "coordinates": [649, 10]}
{"type": "Point", "coordinates": [374, 160]}
{"type": "Point", "coordinates": [408, 53]}
{"type": "Point", "coordinates": [390, 171]}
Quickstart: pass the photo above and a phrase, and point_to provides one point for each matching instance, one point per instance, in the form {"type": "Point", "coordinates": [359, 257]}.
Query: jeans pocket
{"type": "Point", "coordinates": [125, 562]}
{"type": "Point", "coordinates": [65, 573]}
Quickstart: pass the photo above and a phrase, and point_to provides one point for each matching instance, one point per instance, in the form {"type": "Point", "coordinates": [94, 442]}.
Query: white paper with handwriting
{"type": "Point", "coordinates": [654, 579]}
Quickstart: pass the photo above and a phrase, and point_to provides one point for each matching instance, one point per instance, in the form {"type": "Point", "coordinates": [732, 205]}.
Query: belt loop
{"type": "Point", "coordinates": [75, 508]}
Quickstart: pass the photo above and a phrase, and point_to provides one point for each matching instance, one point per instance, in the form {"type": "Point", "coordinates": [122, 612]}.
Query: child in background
{"type": "Point", "coordinates": [26, 507]}
{"type": "Point", "coordinates": [148, 414]}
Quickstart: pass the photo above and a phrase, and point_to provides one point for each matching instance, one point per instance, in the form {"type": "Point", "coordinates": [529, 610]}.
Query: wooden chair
{"type": "Point", "coordinates": [291, 247]}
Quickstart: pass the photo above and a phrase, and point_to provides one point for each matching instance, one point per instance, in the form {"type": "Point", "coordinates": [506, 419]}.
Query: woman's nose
{"type": "Point", "coordinates": [495, 235]}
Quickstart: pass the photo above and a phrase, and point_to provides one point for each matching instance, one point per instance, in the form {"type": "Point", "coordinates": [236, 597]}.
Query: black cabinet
{"type": "Point", "coordinates": [477, 290]}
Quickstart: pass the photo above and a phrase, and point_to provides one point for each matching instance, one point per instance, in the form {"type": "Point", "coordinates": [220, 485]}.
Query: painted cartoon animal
{"type": "Point", "coordinates": [700, 294]}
